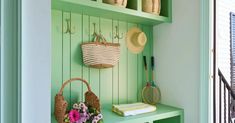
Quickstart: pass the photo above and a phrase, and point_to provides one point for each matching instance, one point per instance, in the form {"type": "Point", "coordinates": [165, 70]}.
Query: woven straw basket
{"type": "Point", "coordinates": [151, 6]}
{"type": "Point", "coordinates": [60, 104]}
{"type": "Point", "coordinates": [121, 3]}
{"type": "Point", "coordinates": [100, 54]}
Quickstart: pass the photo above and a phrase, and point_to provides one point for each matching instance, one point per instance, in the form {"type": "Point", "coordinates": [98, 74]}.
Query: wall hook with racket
{"type": "Point", "coordinates": [69, 29]}
{"type": "Point", "coordinates": [116, 34]}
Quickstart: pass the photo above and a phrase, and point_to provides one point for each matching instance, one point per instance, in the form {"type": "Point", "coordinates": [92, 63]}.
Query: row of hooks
{"type": "Point", "coordinates": [69, 30]}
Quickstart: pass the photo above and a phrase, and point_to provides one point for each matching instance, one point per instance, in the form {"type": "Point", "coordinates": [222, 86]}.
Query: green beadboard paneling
{"type": "Point", "coordinates": [120, 84]}
{"type": "Point", "coordinates": [57, 54]}
{"type": "Point", "coordinates": [132, 72]}
{"type": "Point", "coordinates": [66, 40]}
{"type": "Point", "coordinates": [94, 73]}
{"type": "Point", "coordinates": [106, 76]}
{"type": "Point", "coordinates": [76, 56]}
{"type": "Point", "coordinates": [123, 65]}
{"type": "Point", "coordinates": [85, 38]}
{"type": "Point", "coordinates": [140, 72]}
{"type": "Point", "coordinates": [115, 79]}
{"type": "Point", "coordinates": [147, 51]}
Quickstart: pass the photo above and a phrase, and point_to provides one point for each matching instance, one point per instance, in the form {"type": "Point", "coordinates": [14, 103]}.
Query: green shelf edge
{"type": "Point", "coordinates": [163, 112]}
{"type": "Point", "coordinates": [103, 10]}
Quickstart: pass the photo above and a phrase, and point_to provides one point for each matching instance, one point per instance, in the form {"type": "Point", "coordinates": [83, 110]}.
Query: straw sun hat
{"type": "Point", "coordinates": [135, 40]}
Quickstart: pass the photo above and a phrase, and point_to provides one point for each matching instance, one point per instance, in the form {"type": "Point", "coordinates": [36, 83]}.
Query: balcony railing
{"type": "Point", "coordinates": [222, 100]}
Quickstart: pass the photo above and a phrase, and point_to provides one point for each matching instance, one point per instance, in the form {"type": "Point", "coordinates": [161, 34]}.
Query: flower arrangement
{"type": "Point", "coordinates": [83, 114]}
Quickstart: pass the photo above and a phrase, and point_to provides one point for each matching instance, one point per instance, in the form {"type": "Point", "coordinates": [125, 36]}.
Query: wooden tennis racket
{"type": "Point", "coordinates": [150, 93]}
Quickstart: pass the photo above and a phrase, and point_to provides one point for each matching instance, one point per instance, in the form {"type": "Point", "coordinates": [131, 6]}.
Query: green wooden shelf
{"type": "Point", "coordinates": [164, 114]}
{"type": "Point", "coordinates": [132, 14]}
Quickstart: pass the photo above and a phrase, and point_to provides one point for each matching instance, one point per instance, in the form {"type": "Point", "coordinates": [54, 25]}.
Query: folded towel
{"type": "Point", "coordinates": [133, 109]}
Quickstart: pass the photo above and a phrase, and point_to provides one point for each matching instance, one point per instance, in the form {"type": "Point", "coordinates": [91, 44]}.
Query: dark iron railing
{"type": "Point", "coordinates": [226, 101]}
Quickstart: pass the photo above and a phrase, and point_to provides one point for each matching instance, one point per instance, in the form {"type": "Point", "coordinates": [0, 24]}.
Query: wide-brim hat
{"type": "Point", "coordinates": [135, 40]}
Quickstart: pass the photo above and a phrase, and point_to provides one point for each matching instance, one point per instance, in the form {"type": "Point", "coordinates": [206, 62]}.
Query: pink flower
{"type": "Point", "coordinates": [74, 116]}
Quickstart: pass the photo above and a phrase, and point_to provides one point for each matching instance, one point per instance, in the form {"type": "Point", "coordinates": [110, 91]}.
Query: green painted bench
{"type": "Point", "coordinates": [164, 114]}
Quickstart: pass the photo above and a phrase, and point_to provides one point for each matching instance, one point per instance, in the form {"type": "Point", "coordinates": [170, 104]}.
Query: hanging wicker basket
{"type": "Point", "coordinates": [61, 105]}
{"type": "Point", "coordinates": [100, 54]}
{"type": "Point", "coordinates": [151, 6]}
{"type": "Point", "coordinates": [121, 3]}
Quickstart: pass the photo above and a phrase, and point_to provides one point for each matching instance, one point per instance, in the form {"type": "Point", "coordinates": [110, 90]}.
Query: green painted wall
{"type": "Point", "coordinates": [121, 84]}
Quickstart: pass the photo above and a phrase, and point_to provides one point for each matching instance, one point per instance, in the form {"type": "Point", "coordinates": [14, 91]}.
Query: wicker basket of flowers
{"type": "Point", "coordinates": [87, 112]}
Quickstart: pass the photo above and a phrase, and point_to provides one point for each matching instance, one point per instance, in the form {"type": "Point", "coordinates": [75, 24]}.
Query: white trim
{"type": "Point", "coordinates": [36, 61]}
{"type": "Point", "coordinates": [204, 60]}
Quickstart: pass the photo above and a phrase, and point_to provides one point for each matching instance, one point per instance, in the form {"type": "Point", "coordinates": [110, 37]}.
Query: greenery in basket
{"type": "Point", "coordinates": [83, 114]}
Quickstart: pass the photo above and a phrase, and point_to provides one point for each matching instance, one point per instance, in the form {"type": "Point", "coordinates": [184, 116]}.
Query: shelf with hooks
{"type": "Point", "coordinates": [132, 13]}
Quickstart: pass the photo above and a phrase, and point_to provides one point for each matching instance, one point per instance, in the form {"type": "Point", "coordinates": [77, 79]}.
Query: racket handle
{"type": "Point", "coordinates": [145, 62]}
{"type": "Point", "coordinates": [152, 62]}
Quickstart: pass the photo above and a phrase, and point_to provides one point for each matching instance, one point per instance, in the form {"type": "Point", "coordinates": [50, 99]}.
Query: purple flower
{"type": "Point", "coordinates": [74, 116]}
{"type": "Point", "coordinates": [83, 118]}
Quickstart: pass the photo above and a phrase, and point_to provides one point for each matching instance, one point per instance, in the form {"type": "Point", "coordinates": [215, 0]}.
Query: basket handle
{"type": "Point", "coordinates": [97, 39]}
{"type": "Point", "coordinates": [71, 80]}
{"type": "Point", "coordinates": [103, 39]}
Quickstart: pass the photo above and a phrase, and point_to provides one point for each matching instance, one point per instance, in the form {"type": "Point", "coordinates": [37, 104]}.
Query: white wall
{"type": "Point", "coordinates": [177, 50]}
{"type": "Point", "coordinates": [36, 61]}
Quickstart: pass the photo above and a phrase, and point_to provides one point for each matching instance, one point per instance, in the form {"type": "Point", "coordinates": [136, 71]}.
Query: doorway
{"type": "Point", "coordinates": [222, 61]}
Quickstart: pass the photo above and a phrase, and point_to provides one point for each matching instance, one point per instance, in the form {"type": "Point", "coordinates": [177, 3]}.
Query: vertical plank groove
{"type": "Point", "coordinates": [70, 22]}
{"type": "Point", "coordinates": [115, 78]}
{"type": "Point", "coordinates": [82, 59]}
{"type": "Point", "coordinates": [127, 100]}
{"type": "Point", "coordinates": [112, 68]}
{"type": "Point", "coordinates": [62, 47]}
{"type": "Point", "coordinates": [86, 36]}
{"type": "Point", "coordinates": [99, 69]}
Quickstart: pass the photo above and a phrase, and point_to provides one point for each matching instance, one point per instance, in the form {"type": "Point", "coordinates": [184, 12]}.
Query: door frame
{"type": "Point", "coordinates": [205, 60]}
{"type": "Point", "coordinates": [10, 61]}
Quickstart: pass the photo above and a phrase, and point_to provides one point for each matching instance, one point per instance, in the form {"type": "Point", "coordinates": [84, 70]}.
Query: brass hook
{"type": "Point", "coordinates": [116, 34]}
{"type": "Point", "coordinates": [68, 29]}
{"type": "Point", "coordinates": [94, 33]}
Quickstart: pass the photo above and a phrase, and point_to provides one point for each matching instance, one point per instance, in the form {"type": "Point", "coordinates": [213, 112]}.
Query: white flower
{"type": "Point", "coordinates": [75, 106]}
{"type": "Point", "coordinates": [100, 116]}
